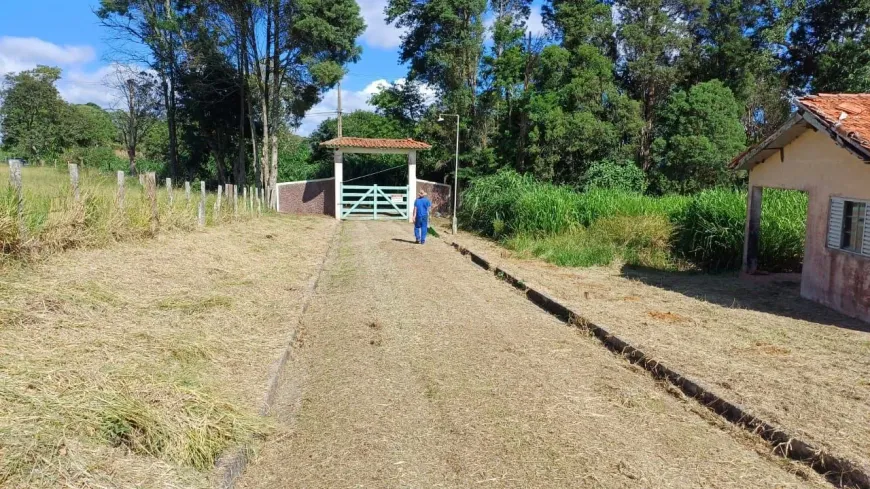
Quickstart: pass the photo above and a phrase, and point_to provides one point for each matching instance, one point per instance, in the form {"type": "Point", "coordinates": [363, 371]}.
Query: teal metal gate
{"type": "Point", "coordinates": [374, 202]}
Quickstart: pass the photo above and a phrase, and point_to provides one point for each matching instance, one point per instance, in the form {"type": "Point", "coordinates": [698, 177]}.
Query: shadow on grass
{"type": "Point", "coordinates": [773, 296]}
{"type": "Point", "coordinates": [400, 240]}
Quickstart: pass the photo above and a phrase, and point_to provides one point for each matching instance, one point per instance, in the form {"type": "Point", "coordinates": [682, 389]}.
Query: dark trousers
{"type": "Point", "coordinates": [421, 228]}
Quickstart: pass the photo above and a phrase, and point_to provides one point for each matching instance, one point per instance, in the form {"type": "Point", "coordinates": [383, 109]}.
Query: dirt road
{"type": "Point", "coordinates": [417, 369]}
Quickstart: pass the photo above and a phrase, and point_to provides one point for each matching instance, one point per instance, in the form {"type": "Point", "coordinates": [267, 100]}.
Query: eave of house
{"type": "Point", "coordinates": [801, 121]}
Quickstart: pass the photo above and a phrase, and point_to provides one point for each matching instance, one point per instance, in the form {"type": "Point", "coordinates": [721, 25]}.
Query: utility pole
{"type": "Point", "coordinates": [339, 109]}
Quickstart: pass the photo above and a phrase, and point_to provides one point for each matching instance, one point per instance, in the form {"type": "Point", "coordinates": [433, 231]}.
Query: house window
{"type": "Point", "coordinates": [848, 226]}
{"type": "Point", "coordinates": [853, 225]}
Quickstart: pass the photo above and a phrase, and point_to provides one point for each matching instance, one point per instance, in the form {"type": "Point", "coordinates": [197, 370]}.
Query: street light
{"type": "Point", "coordinates": [456, 168]}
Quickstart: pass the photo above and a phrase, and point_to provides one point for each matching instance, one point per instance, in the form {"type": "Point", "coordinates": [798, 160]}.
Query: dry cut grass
{"type": "Point", "coordinates": [791, 361]}
{"type": "Point", "coordinates": [418, 369]}
{"type": "Point", "coordinates": [138, 364]}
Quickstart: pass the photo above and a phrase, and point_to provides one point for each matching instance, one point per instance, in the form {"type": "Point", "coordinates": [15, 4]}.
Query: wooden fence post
{"type": "Point", "coordinates": [187, 191]}
{"type": "Point", "coordinates": [235, 201]}
{"type": "Point", "coordinates": [169, 190]}
{"type": "Point", "coordinates": [217, 203]}
{"type": "Point", "coordinates": [74, 180]}
{"type": "Point", "coordinates": [245, 197]}
{"type": "Point", "coordinates": [15, 181]}
{"type": "Point", "coordinates": [142, 180]}
{"type": "Point", "coordinates": [121, 180]}
{"type": "Point", "coordinates": [151, 181]}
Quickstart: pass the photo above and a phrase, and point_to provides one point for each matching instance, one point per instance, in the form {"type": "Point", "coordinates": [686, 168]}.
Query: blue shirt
{"type": "Point", "coordinates": [422, 205]}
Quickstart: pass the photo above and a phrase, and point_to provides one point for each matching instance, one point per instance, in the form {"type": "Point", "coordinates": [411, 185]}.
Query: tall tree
{"type": "Point", "coordinates": [830, 47]}
{"type": "Point", "coordinates": [88, 125]}
{"type": "Point", "coordinates": [142, 108]}
{"type": "Point", "coordinates": [699, 133]}
{"type": "Point", "coordinates": [31, 112]}
{"type": "Point", "coordinates": [443, 46]}
{"type": "Point", "coordinates": [297, 49]}
{"type": "Point", "coordinates": [737, 42]}
{"type": "Point", "coordinates": [653, 39]}
{"type": "Point", "coordinates": [156, 24]}
{"type": "Point", "coordinates": [573, 114]}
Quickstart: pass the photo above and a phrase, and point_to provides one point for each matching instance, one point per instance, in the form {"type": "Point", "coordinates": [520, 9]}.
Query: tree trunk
{"type": "Point", "coordinates": [131, 155]}
{"type": "Point", "coordinates": [241, 176]}
{"type": "Point", "coordinates": [173, 130]}
{"type": "Point", "coordinates": [277, 79]}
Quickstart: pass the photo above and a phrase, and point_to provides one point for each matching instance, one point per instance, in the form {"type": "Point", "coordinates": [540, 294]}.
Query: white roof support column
{"type": "Point", "coordinates": [338, 161]}
{"type": "Point", "coordinates": [412, 182]}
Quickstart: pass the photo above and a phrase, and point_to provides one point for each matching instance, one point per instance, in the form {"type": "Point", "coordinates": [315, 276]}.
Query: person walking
{"type": "Point", "coordinates": [421, 217]}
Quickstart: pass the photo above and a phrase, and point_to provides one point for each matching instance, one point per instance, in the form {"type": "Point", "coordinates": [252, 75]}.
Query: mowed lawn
{"type": "Point", "coordinates": [790, 361]}
{"type": "Point", "coordinates": [138, 364]}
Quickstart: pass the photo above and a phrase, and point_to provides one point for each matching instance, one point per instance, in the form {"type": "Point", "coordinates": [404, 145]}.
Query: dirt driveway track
{"type": "Point", "coordinates": [417, 369]}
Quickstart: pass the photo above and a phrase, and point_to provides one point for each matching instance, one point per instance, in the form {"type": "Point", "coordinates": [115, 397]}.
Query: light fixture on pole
{"type": "Point", "coordinates": [456, 168]}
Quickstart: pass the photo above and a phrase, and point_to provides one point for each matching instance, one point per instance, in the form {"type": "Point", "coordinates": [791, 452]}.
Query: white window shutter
{"type": "Point", "coordinates": [866, 246]}
{"type": "Point", "coordinates": [835, 223]}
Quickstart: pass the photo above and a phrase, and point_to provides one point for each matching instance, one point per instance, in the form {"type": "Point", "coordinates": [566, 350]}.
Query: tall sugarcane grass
{"type": "Point", "coordinates": [703, 231]}
{"type": "Point", "coordinates": [53, 220]}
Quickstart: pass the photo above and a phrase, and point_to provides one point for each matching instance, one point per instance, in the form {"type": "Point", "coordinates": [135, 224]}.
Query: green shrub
{"type": "Point", "coordinates": [610, 175]}
{"type": "Point", "coordinates": [100, 158]}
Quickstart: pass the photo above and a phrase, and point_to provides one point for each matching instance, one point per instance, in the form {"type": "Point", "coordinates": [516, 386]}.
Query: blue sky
{"type": "Point", "coordinates": [66, 33]}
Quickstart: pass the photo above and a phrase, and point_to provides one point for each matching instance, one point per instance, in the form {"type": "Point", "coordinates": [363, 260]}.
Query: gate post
{"type": "Point", "coordinates": [376, 201]}
{"type": "Point", "coordinates": [412, 182]}
{"type": "Point", "coordinates": [337, 159]}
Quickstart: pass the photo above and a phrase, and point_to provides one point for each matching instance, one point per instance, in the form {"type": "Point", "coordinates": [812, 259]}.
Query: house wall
{"type": "Point", "coordinates": [440, 196]}
{"type": "Point", "coordinates": [815, 164]}
{"type": "Point", "coordinates": [307, 197]}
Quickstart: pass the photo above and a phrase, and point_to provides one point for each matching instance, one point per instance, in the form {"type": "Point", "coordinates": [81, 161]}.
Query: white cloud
{"type": "Point", "coordinates": [351, 101]}
{"type": "Point", "coordinates": [17, 52]}
{"type": "Point", "coordinates": [79, 84]}
{"type": "Point", "coordinates": [535, 22]}
{"type": "Point", "coordinates": [81, 87]}
{"type": "Point", "coordinates": [378, 33]}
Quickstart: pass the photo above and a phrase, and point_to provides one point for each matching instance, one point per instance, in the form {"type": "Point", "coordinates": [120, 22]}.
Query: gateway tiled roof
{"type": "Point", "coordinates": [845, 118]}
{"type": "Point", "coordinates": [369, 143]}
{"type": "Point", "coordinates": [855, 108]}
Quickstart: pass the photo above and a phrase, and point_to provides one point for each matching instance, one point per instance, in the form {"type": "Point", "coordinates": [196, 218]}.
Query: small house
{"type": "Point", "coordinates": [823, 149]}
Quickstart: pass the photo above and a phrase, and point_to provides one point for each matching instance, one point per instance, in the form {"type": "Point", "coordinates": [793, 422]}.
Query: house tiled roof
{"type": "Point", "coordinates": [370, 143]}
{"type": "Point", "coordinates": [831, 107]}
{"type": "Point", "coordinates": [844, 117]}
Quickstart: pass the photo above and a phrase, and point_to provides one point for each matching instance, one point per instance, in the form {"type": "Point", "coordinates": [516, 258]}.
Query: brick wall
{"type": "Point", "coordinates": [439, 194]}
{"type": "Point", "coordinates": [307, 197]}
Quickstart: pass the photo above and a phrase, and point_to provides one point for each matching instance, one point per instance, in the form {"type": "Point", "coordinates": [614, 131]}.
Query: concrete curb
{"type": "Point", "coordinates": [838, 471]}
{"type": "Point", "coordinates": [232, 464]}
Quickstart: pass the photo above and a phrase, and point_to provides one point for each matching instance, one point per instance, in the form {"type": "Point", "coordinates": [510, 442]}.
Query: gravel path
{"type": "Point", "coordinates": [417, 369]}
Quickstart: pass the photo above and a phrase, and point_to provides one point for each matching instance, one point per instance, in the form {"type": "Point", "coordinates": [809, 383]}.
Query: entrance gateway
{"type": "Point", "coordinates": [374, 202]}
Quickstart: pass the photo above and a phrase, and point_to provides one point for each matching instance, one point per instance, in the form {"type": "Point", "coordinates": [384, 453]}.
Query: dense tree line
{"type": "Point", "coordinates": [669, 90]}
{"type": "Point", "coordinates": [643, 94]}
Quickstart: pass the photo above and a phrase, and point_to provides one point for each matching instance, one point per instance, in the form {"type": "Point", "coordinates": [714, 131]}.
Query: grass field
{"type": "Point", "coordinates": [55, 221]}
{"type": "Point", "coordinates": [137, 364]}
{"type": "Point", "coordinates": [703, 231]}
